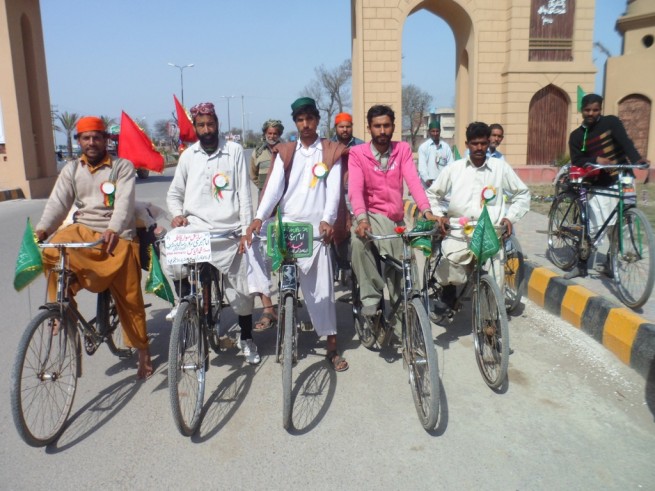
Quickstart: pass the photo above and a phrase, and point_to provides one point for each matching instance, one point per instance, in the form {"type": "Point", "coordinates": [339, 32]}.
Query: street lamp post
{"type": "Point", "coordinates": [181, 77]}
{"type": "Point", "coordinates": [228, 97]}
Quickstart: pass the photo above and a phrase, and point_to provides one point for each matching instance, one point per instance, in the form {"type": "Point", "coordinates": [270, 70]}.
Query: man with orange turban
{"type": "Point", "coordinates": [343, 130]}
{"type": "Point", "coordinates": [102, 188]}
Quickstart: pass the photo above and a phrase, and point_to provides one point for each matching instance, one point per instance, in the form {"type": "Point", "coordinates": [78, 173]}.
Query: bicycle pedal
{"type": "Point", "coordinates": [90, 346]}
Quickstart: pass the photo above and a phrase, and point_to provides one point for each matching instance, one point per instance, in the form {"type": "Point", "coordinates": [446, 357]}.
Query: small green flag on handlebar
{"type": "Point", "coordinates": [484, 241]}
{"type": "Point", "coordinates": [29, 263]}
{"type": "Point", "coordinates": [280, 249]}
{"type": "Point", "coordinates": [157, 282]}
{"type": "Point", "coordinates": [423, 243]}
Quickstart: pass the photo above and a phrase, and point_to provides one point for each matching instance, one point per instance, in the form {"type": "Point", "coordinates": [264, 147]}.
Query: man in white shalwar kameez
{"type": "Point", "coordinates": [304, 196]}
{"type": "Point", "coordinates": [211, 192]}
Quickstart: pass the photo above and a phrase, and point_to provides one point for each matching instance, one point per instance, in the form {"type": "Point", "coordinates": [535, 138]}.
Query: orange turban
{"type": "Point", "coordinates": [341, 117]}
{"type": "Point", "coordinates": [90, 123]}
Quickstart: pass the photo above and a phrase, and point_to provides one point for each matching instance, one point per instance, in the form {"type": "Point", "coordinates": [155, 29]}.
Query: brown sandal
{"type": "Point", "coordinates": [338, 363]}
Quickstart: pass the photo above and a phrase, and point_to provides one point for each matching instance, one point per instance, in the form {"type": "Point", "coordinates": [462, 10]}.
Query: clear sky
{"type": "Point", "coordinates": [104, 57]}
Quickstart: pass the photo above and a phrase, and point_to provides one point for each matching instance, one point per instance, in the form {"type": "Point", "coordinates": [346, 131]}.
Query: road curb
{"type": "Point", "coordinates": [627, 335]}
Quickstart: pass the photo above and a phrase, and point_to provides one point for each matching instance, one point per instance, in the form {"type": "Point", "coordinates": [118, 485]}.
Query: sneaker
{"type": "Point", "coordinates": [170, 317]}
{"type": "Point", "coordinates": [249, 350]}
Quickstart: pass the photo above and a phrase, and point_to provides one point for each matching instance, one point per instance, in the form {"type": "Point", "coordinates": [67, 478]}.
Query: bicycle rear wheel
{"type": "Point", "coordinates": [44, 378]}
{"type": "Point", "coordinates": [422, 361]}
{"type": "Point", "coordinates": [565, 228]}
{"type": "Point", "coordinates": [514, 269]}
{"type": "Point", "coordinates": [632, 262]}
{"type": "Point", "coordinates": [490, 332]}
{"type": "Point", "coordinates": [217, 295]}
{"type": "Point", "coordinates": [288, 347]}
{"type": "Point", "coordinates": [186, 369]}
{"type": "Point", "coordinates": [109, 325]}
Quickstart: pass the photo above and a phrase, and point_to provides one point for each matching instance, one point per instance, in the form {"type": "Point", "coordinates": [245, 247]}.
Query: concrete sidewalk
{"type": "Point", "coordinates": [587, 303]}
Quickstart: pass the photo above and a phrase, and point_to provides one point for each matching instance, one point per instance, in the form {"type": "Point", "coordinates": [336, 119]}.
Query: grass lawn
{"type": "Point", "coordinates": [542, 197]}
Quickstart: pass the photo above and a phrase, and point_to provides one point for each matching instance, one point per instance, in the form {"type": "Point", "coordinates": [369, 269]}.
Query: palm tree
{"type": "Point", "coordinates": [108, 121]}
{"type": "Point", "coordinates": [68, 122]}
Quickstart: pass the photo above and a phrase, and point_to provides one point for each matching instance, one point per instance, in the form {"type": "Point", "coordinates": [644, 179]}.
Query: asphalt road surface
{"type": "Point", "coordinates": [572, 417]}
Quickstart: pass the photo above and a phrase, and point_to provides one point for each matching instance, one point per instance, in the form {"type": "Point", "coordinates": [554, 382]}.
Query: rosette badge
{"type": "Point", "coordinates": [319, 171]}
{"type": "Point", "coordinates": [220, 182]}
{"type": "Point", "coordinates": [108, 189]}
{"type": "Point", "coordinates": [488, 194]}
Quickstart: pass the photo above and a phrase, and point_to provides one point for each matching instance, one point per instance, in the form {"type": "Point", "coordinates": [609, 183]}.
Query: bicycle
{"type": "Point", "coordinates": [418, 351]}
{"type": "Point", "coordinates": [631, 242]}
{"type": "Point", "coordinates": [196, 325]}
{"type": "Point", "coordinates": [489, 320]}
{"type": "Point", "coordinates": [299, 238]}
{"type": "Point", "coordinates": [49, 355]}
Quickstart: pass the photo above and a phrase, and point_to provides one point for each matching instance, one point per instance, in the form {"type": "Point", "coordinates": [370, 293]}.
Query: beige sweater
{"type": "Point", "coordinates": [90, 200]}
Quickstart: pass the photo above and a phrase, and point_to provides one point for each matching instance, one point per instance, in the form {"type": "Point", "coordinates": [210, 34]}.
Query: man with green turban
{"type": "Point", "coordinates": [433, 155]}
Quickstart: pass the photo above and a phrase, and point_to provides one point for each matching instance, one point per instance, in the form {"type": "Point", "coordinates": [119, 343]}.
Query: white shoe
{"type": "Point", "coordinates": [249, 350]}
{"type": "Point", "coordinates": [171, 315]}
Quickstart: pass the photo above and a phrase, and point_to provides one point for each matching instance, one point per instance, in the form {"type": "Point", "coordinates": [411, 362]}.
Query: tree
{"type": "Point", "coordinates": [331, 91]}
{"type": "Point", "coordinates": [161, 130]}
{"type": "Point", "coordinates": [68, 122]}
{"type": "Point", "coordinates": [416, 103]}
{"type": "Point", "coordinates": [108, 121]}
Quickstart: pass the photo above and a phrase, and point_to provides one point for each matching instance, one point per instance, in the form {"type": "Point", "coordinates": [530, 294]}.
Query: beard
{"type": "Point", "coordinates": [209, 140]}
{"type": "Point", "coordinates": [381, 140]}
{"type": "Point", "coordinates": [271, 142]}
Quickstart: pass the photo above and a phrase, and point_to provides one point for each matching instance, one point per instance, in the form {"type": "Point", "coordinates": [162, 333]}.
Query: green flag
{"type": "Point", "coordinates": [423, 243]}
{"type": "Point", "coordinates": [456, 153]}
{"type": "Point", "coordinates": [280, 248]}
{"type": "Point", "coordinates": [581, 94]}
{"type": "Point", "coordinates": [29, 263]}
{"type": "Point", "coordinates": [484, 241]}
{"type": "Point", "coordinates": [157, 282]}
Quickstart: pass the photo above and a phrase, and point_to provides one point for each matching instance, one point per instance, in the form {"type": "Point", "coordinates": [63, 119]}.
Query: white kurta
{"type": "Point", "coordinates": [465, 183]}
{"type": "Point", "coordinates": [304, 203]}
{"type": "Point", "coordinates": [192, 194]}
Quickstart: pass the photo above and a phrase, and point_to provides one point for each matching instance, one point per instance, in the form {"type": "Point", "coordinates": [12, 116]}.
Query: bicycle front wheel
{"type": "Point", "coordinates": [565, 229]}
{"type": "Point", "coordinates": [422, 361]}
{"type": "Point", "coordinates": [288, 341]}
{"type": "Point", "coordinates": [217, 295]}
{"type": "Point", "coordinates": [44, 378]}
{"type": "Point", "coordinates": [490, 332]}
{"type": "Point", "coordinates": [514, 269]}
{"type": "Point", "coordinates": [186, 369]}
{"type": "Point", "coordinates": [632, 261]}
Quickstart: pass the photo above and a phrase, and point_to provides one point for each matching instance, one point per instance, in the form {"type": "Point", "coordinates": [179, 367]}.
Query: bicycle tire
{"type": "Point", "coordinates": [363, 326]}
{"type": "Point", "coordinates": [490, 332]}
{"type": "Point", "coordinates": [217, 294]}
{"type": "Point", "coordinates": [565, 227]}
{"type": "Point", "coordinates": [109, 325]}
{"type": "Point", "coordinates": [43, 382]}
{"type": "Point", "coordinates": [287, 360]}
{"type": "Point", "coordinates": [186, 369]}
{"type": "Point", "coordinates": [422, 364]}
{"type": "Point", "coordinates": [633, 267]}
{"type": "Point", "coordinates": [514, 273]}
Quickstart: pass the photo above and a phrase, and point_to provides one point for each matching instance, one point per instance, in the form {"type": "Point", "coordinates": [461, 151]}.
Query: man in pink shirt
{"type": "Point", "coordinates": [375, 188]}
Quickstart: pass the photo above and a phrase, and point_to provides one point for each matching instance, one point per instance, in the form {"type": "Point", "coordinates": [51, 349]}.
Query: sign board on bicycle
{"type": "Point", "coordinates": [186, 248]}
{"type": "Point", "coordinates": [299, 238]}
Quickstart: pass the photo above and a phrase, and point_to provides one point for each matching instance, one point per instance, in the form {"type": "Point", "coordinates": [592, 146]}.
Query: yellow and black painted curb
{"type": "Point", "coordinates": [9, 194]}
{"type": "Point", "coordinates": [630, 337]}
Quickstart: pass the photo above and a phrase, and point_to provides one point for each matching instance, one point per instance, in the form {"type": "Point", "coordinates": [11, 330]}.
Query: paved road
{"type": "Point", "coordinates": [572, 417]}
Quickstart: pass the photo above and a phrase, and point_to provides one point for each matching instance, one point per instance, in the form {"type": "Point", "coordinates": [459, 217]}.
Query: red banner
{"type": "Point", "coordinates": [135, 146]}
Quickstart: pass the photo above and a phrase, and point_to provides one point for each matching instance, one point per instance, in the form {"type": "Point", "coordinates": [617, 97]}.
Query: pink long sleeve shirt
{"type": "Point", "coordinates": [372, 190]}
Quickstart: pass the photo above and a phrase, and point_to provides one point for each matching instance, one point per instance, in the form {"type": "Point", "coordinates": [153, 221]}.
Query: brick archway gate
{"type": "Point", "coordinates": [505, 53]}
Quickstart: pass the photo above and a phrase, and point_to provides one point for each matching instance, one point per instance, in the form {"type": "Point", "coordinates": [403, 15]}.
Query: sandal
{"type": "Point", "coordinates": [338, 363]}
{"type": "Point", "coordinates": [266, 321]}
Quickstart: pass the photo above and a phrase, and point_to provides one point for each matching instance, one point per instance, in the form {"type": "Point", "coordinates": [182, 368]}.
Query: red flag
{"type": "Point", "coordinates": [187, 131]}
{"type": "Point", "coordinates": [135, 146]}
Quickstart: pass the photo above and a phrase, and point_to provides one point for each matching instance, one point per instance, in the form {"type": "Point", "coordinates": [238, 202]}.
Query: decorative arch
{"type": "Point", "coordinates": [547, 126]}
{"type": "Point", "coordinates": [635, 111]}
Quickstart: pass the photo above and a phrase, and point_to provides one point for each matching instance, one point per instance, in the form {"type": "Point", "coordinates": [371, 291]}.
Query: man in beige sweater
{"type": "Point", "coordinates": [102, 188]}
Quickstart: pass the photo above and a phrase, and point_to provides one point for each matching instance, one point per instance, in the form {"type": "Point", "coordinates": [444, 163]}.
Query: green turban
{"type": "Point", "coordinates": [434, 125]}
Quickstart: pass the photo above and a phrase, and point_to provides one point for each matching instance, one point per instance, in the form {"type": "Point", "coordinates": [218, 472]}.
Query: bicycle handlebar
{"type": "Point", "coordinates": [405, 233]}
{"type": "Point", "coordinates": [70, 245]}
{"type": "Point", "coordinates": [616, 166]}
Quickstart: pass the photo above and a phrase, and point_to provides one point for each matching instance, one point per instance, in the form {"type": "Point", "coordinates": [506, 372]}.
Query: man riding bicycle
{"type": "Point", "coordinates": [211, 192]}
{"type": "Point", "coordinates": [470, 183]}
{"type": "Point", "coordinates": [599, 140]}
{"type": "Point", "coordinates": [102, 188]}
{"type": "Point", "coordinates": [377, 171]}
